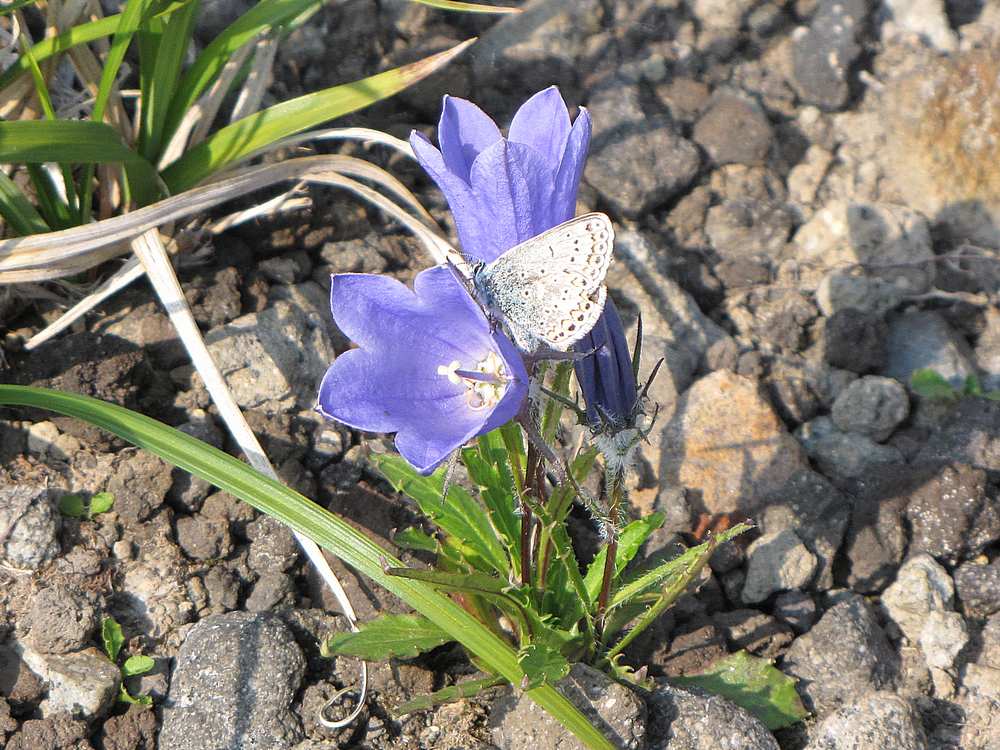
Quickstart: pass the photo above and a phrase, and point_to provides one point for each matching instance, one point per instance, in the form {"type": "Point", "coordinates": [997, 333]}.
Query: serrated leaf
{"type": "Point", "coordinates": [72, 506]}
{"type": "Point", "coordinates": [754, 684]}
{"type": "Point", "coordinates": [389, 636]}
{"type": "Point", "coordinates": [467, 689]}
{"type": "Point", "coordinates": [630, 540]}
{"type": "Point", "coordinates": [541, 665]}
{"type": "Point", "coordinates": [137, 665]}
{"type": "Point", "coordinates": [102, 502]}
{"type": "Point", "coordinates": [112, 638]}
{"type": "Point", "coordinates": [931, 384]}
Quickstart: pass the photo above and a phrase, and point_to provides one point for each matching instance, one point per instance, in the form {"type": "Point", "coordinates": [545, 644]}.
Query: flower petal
{"type": "Point", "coordinates": [464, 131]}
{"type": "Point", "coordinates": [542, 122]}
{"type": "Point", "coordinates": [515, 185]}
{"type": "Point", "coordinates": [567, 180]}
{"type": "Point", "coordinates": [469, 215]}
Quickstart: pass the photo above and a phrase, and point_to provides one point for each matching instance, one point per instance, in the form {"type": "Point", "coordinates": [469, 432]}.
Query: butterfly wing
{"type": "Point", "coordinates": [550, 289]}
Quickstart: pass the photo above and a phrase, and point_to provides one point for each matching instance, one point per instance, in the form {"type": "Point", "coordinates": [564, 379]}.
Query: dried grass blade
{"type": "Point", "coordinates": [258, 80]}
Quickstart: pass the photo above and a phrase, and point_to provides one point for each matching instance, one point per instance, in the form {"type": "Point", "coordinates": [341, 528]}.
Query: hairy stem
{"type": "Point", "coordinates": [614, 495]}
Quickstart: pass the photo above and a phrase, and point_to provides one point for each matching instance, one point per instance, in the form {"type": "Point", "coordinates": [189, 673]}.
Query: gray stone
{"type": "Point", "coordinates": [223, 589]}
{"type": "Point", "coordinates": [797, 609]}
{"type": "Point", "coordinates": [844, 455]}
{"type": "Point", "coordinates": [204, 538]}
{"type": "Point", "coordinates": [877, 720]}
{"type": "Point", "coordinates": [140, 483]}
{"type": "Point", "coordinates": [844, 655]}
{"type": "Point", "coordinates": [720, 22]}
{"type": "Point", "coordinates": [924, 340]}
{"type": "Point", "coordinates": [944, 635]}
{"type": "Point", "coordinates": [823, 53]}
{"type": "Point", "coordinates": [926, 19]}
{"type": "Point", "coordinates": [872, 406]}
{"type": "Point", "coordinates": [272, 545]}
{"type": "Point", "coordinates": [83, 683]}
{"type": "Point", "coordinates": [777, 562]}
{"type": "Point", "coordinates": [62, 619]}
{"type": "Point", "coordinates": [233, 685]}
{"type": "Point", "coordinates": [29, 526]}
{"type": "Point", "coordinates": [921, 587]}
{"type": "Point", "coordinates": [636, 162]}
{"type": "Point", "coordinates": [840, 290]}
{"type": "Point", "coordinates": [876, 539]}
{"type": "Point", "coordinates": [754, 631]}
{"type": "Point", "coordinates": [978, 588]}
{"type": "Point", "coordinates": [854, 340]}
{"type": "Point", "coordinates": [971, 435]}
{"type": "Point", "coordinates": [518, 723]}
{"type": "Point", "coordinates": [59, 732]}
{"type": "Point", "coordinates": [777, 316]}
{"type": "Point", "coordinates": [271, 590]}
{"type": "Point", "coordinates": [743, 227]}
{"type": "Point", "coordinates": [734, 130]}
{"type": "Point", "coordinates": [816, 511]}
{"type": "Point", "coordinates": [695, 720]}
{"type": "Point", "coordinates": [988, 351]}
{"type": "Point", "coordinates": [952, 516]}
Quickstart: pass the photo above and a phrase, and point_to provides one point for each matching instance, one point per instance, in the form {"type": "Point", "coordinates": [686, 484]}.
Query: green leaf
{"type": "Point", "coordinates": [72, 506]}
{"type": "Point", "coordinates": [389, 636]}
{"type": "Point", "coordinates": [754, 684]}
{"type": "Point", "coordinates": [9, 6]}
{"type": "Point", "coordinates": [456, 5]}
{"type": "Point", "coordinates": [137, 665]}
{"type": "Point", "coordinates": [112, 638]}
{"type": "Point", "coordinates": [102, 502]}
{"type": "Point", "coordinates": [245, 136]}
{"type": "Point", "coordinates": [630, 541]}
{"type": "Point", "coordinates": [76, 142]}
{"type": "Point", "coordinates": [270, 496]}
{"type": "Point", "coordinates": [450, 694]}
{"type": "Point", "coordinates": [17, 210]}
{"type": "Point", "coordinates": [972, 386]}
{"type": "Point", "coordinates": [415, 539]}
{"type": "Point", "coordinates": [541, 665]}
{"type": "Point", "coordinates": [932, 385]}
{"type": "Point", "coordinates": [992, 395]}
{"type": "Point", "coordinates": [125, 697]}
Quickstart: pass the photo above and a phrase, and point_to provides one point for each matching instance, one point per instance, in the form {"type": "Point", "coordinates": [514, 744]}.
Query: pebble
{"type": "Point", "coordinates": [62, 619]}
{"type": "Point", "coordinates": [692, 719]}
{"type": "Point", "coordinates": [854, 340]}
{"type": "Point", "coordinates": [31, 521]}
{"type": "Point", "coordinates": [977, 585]}
{"type": "Point", "coordinates": [83, 683]}
{"type": "Point", "coordinates": [824, 52]}
{"type": "Point", "coordinates": [925, 340]}
{"type": "Point", "coordinates": [921, 587]}
{"type": "Point", "coordinates": [734, 130]}
{"type": "Point", "coordinates": [879, 719]}
{"type": "Point", "coordinates": [777, 562]}
{"type": "Point", "coordinates": [873, 406]}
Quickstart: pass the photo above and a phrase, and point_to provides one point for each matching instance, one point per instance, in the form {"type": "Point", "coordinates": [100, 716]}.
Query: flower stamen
{"type": "Point", "coordinates": [485, 383]}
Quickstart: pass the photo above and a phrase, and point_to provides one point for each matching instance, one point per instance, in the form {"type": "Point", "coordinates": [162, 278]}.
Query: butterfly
{"type": "Point", "coordinates": [550, 289]}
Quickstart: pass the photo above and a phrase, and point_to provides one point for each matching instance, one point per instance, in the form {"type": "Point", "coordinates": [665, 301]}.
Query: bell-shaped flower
{"type": "Point", "coordinates": [606, 377]}
{"type": "Point", "coordinates": [503, 191]}
{"type": "Point", "coordinates": [427, 366]}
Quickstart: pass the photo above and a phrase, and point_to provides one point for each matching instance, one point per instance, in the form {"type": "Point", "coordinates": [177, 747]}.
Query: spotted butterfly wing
{"type": "Point", "coordinates": [550, 290]}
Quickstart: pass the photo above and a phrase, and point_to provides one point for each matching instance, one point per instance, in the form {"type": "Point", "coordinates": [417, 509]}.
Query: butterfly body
{"type": "Point", "coordinates": [550, 289]}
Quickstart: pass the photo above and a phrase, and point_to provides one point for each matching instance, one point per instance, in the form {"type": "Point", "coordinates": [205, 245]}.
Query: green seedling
{"type": "Point", "coordinates": [137, 664]}
{"type": "Point", "coordinates": [76, 506]}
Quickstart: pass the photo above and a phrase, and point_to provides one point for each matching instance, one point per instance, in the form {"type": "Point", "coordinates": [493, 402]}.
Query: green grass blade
{"type": "Point", "coordinates": [258, 130]}
{"type": "Point", "coordinates": [11, 5]}
{"type": "Point", "coordinates": [77, 142]}
{"type": "Point", "coordinates": [329, 531]}
{"type": "Point", "coordinates": [261, 17]}
{"type": "Point", "coordinates": [50, 203]}
{"type": "Point", "coordinates": [75, 36]}
{"type": "Point", "coordinates": [17, 210]}
{"type": "Point", "coordinates": [631, 539]}
{"type": "Point", "coordinates": [467, 7]}
{"type": "Point", "coordinates": [161, 84]}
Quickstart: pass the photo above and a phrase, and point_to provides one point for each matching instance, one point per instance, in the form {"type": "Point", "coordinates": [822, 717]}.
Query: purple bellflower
{"type": "Point", "coordinates": [606, 377]}
{"type": "Point", "coordinates": [504, 191]}
{"type": "Point", "coordinates": [427, 366]}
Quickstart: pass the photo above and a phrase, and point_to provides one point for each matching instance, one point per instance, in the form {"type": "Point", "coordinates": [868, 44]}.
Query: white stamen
{"type": "Point", "coordinates": [480, 394]}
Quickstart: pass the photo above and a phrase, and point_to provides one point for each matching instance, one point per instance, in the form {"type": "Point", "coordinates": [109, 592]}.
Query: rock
{"type": "Point", "coordinates": [797, 609]}
{"type": "Point", "coordinates": [988, 351]}
{"type": "Point", "coordinates": [806, 177]}
{"type": "Point", "coordinates": [726, 442]}
{"type": "Point", "coordinates": [943, 636]}
{"type": "Point", "coordinates": [719, 24]}
{"type": "Point", "coordinates": [927, 19]}
{"type": "Point", "coordinates": [83, 683]}
{"type": "Point", "coordinates": [823, 53]}
{"type": "Point", "coordinates": [518, 723]}
{"type": "Point", "coordinates": [855, 340]}
{"type": "Point", "coordinates": [969, 436]}
{"type": "Point", "coordinates": [204, 538]}
{"type": "Point", "coordinates": [223, 588]}
{"type": "Point", "coordinates": [18, 684]}
{"type": "Point", "coordinates": [843, 455]}
{"type": "Point", "coordinates": [685, 97]}
{"type": "Point", "coordinates": [742, 227]}
{"type": "Point", "coordinates": [889, 242]}
{"type": "Point", "coordinates": [62, 619]}
{"type": "Point", "coordinates": [694, 720]}
{"type": "Point", "coordinates": [978, 588]}
{"type": "Point", "coordinates": [754, 631]}
{"type": "Point", "coordinates": [734, 130]}
{"type": "Point", "coordinates": [693, 649]}
{"type": "Point", "coordinates": [840, 290]}
{"type": "Point", "coordinates": [921, 587]}
{"type": "Point", "coordinates": [876, 539]}
{"type": "Point", "coordinates": [777, 562]}
{"type": "Point", "coordinates": [234, 682]}
{"type": "Point", "coordinates": [60, 732]}
{"type": "Point", "coordinates": [844, 655]}
{"type": "Point", "coordinates": [286, 269]}
{"type": "Point", "coordinates": [777, 316]}
{"type": "Point", "coordinates": [271, 590]}
{"type": "Point", "coordinates": [877, 720]}
{"type": "Point", "coordinates": [872, 406]}
{"type": "Point", "coordinates": [45, 439]}
{"type": "Point", "coordinates": [133, 730]}
{"type": "Point", "coordinates": [980, 725]}
{"type": "Point", "coordinates": [272, 545]}
{"type": "Point", "coordinates": [8, 723]}
{"type": "Point", "coordinates": [30, 522]}
{"type": "Point", "coordinates": [272, 359]}
{"type": "Point", "coordinates": [951, 516]}
{"type": "Point", "coordinates": [636, 162]}
{"type": "Point", "coordinates": [361, 255]}
{"type": "Point", "coordinates": [924, 340]}
{"type": "Point", "coordinates": [816, 511]}
{"type": "Point", "coordinates": [140, 483]}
